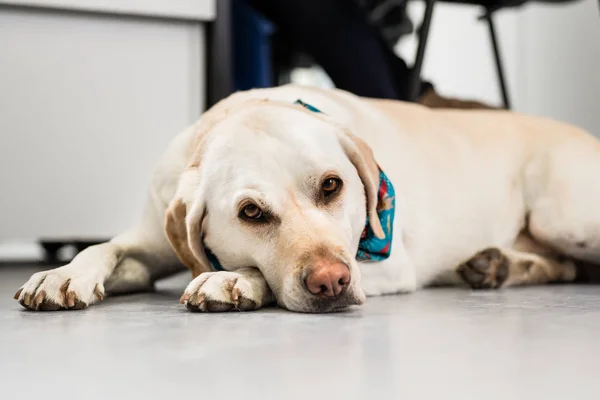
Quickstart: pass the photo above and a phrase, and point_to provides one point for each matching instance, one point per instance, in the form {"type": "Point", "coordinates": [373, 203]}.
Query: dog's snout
{"type": "Point", "coordinates": [328, 279]}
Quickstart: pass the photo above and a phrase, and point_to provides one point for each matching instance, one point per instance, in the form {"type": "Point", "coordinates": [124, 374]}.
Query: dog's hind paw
{"type": "Point", "coordinates": [487, 269]}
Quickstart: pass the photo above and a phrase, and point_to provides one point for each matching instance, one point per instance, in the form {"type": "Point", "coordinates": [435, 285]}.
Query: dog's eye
{"type": "Point", "coordinates": [330, 186]}
{"type": "Point", "coordinates": [251, 212]}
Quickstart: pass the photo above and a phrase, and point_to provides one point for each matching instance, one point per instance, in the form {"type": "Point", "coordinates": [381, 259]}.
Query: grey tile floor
{"type": "Point", "coordinates": [534, 343]}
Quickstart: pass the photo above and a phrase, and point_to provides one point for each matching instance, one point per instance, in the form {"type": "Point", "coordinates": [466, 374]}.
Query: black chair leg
{"type": "Point", "coordinates": [498, 59]}
{"type": "Point", "coordinates": [415, 79]}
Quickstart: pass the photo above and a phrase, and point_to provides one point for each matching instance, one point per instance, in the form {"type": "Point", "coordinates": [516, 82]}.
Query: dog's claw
{"type": "Point", "coordinates": [37, 300]}
{"type": "Point", "coordinates": [99, 292]}
{"type": "Point", "coordinates": [235, 295]}
{"type": "Point", "coordinates": [70, 299]}
{"type": "Point", "coordinates": [27, 299]}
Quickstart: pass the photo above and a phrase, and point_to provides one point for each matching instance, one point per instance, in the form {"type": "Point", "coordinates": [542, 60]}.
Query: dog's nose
{"type": "Point", "coordinates": [328, 280]}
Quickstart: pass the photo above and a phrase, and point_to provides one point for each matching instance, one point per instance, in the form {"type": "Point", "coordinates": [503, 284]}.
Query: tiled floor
{"type": "Point", "coordinates": [535, 343]}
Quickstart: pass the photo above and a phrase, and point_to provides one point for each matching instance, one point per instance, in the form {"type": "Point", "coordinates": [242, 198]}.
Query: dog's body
{"type": "Point", "coordinates": [490, 198]}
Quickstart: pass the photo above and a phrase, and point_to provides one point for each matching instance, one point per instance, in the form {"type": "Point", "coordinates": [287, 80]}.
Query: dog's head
{"type": "Point", "coordinates": [282, 189]}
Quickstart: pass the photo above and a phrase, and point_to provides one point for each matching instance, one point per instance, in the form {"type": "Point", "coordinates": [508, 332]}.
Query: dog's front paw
{"type": "Point", "coordinates": [59, 289]}
{"type": "Point", "coordinates": [242, 290]}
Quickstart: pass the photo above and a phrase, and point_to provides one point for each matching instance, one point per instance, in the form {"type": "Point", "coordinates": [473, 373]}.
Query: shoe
{"type": "Point", "coordinates": [432, 99]}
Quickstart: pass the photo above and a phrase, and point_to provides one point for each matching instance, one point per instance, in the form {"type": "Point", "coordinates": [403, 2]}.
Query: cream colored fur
{"type": "Point", "coordinates": [464, 180]}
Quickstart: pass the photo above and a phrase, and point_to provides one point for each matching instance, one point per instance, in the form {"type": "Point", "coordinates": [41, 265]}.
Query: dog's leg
{"type": "Point", "coordinates": [130, 262]}
{"type": "Point", "coordinates": [563, 196]}
{"type": "Point", "coordinates": [493, 268]}
{"type": "Point", "coordinates": [527, 263]}
{"type": "Point", "coordinates": [391, 276]}
{"type": "Point", "coordinates": [244, 289]}
{"type": "Point", "coordinates": [562, 192]}
{"type": "Point", "coordinates": [77, 284]}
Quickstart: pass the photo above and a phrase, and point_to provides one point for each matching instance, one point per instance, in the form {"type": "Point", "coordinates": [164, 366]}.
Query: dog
{"type": "Point", "coordinates": [315, 199]}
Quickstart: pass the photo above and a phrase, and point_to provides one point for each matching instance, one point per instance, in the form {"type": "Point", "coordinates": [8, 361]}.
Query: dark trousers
{"type": "Point", "coordinates": [336, 34]}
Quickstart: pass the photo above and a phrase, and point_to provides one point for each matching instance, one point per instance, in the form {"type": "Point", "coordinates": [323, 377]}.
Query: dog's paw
{"type": "Point", "coordinates": [487, 269]}
{"type": "Point", "coordinates": [62, 288]}
{"type": "Point", "coordinates": [222, 291]}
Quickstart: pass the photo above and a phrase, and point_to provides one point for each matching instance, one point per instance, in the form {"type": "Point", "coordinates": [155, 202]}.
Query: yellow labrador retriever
{"type": "Point", "coordinates": [315, 199]}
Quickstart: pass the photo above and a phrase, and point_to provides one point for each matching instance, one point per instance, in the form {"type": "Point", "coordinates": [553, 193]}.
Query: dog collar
{"type": "Point", "coordinates": [370, 247]}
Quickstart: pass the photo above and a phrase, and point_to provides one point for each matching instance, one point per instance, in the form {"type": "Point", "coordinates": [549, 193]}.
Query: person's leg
{"type": "Point", "coordinates": [337, 35]}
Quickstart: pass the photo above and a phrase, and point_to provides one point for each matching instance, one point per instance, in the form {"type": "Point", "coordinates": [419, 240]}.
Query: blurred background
{"type": "Point", "coordinates": [91, 91]}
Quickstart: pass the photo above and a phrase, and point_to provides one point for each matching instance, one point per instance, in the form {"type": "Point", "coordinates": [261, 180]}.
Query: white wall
{"type": "Point", "coordinates": [459, 57]}
{"type": "Point", "coordinates": [87, 105]}
{"type": "Point", "coordinates": [551, 54]}
{"type": "Point", "coordinates": [561, 52]}
{"type": "Point", "coordinates": [204, 10]}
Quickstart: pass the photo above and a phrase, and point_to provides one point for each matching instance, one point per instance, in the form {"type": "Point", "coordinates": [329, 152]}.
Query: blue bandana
{"type": "Point", "coordinates": [370, 247]}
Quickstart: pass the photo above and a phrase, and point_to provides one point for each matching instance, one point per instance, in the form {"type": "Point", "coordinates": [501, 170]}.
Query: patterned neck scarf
{"type": "Point", "coordinates": [370, 248]}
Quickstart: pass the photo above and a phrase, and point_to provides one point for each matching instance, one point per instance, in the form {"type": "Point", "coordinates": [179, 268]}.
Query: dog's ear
{"type": "Point", "coordinates": [185, 235]}
{"type": "Point", "coordinates": [183, 226]}
{"type": "Point", "coordinates": [361, 155]}
{"type": "Point", "coordinates": [186, 212]}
